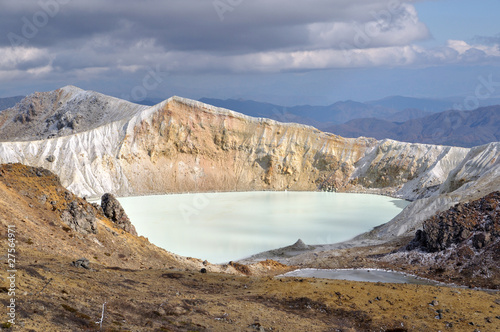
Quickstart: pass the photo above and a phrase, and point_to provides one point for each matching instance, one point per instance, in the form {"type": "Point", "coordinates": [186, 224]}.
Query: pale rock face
{"type": "Point", "coordinates": [407, 170]}
{"type": "Point", "coordinates": [182, 145]}
{"type": "Point", "coordinates": [189, 146]}
{"type": "Point", "coordinates": [475, 175]}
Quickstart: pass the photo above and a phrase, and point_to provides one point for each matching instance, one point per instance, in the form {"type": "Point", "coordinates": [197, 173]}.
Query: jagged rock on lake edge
{"type": "Point", "coordinates": [114, 211]}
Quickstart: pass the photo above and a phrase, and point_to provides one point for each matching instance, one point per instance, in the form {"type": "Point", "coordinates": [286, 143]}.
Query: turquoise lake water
{"type": "Point", "coordinates": [220, 227]}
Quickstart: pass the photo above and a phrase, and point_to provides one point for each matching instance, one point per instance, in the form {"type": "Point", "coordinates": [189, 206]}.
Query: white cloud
{"type": "Point", "coordinates": [26, 58]}
{"type": "Point", "coordinates": [462, 47]}
{"type": "Point", "coordinates": [385, 28]}
{"type": "Point", "coordinates": [39, 71]}
{"type": "Point", "coordinates": [95, 38]}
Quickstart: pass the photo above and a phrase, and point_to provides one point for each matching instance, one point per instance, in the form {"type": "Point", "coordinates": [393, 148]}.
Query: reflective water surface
{"type": "Point", "coordinates": [221, 227]}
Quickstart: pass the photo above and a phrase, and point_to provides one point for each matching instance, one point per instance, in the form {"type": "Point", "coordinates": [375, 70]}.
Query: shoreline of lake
{"type": "Point", "coordinates": [253, 218]}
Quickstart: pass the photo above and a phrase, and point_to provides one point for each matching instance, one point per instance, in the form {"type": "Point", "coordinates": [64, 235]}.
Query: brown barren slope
{"type": "Point", "coordinates": [145, 288]}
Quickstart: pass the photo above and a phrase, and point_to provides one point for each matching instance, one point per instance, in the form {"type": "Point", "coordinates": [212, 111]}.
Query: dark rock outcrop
{"type": "Point", "coordinates": [477, 222]}
{"type": "Point", "coordinates": [460, 245]}
{"type": "Point", "coordinates": [80, 217]}
{"type": "Point", "coordinates": [114, 211]}
{"type": "Point", "coordinates": [81, 262]}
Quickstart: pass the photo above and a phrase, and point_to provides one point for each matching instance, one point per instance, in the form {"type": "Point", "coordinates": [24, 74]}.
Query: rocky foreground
{"type": "Point", "coordinates": [144, 288]}
{"type": "Point", "coordinates": [178, 300]}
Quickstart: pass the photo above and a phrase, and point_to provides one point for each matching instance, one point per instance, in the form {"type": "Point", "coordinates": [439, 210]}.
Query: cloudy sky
{"type": "Point", "coordinates": [286, 52]}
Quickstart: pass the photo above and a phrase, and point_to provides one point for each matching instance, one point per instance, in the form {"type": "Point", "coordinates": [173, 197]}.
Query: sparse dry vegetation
{"type": "Point", "coordinates": [148, 289]}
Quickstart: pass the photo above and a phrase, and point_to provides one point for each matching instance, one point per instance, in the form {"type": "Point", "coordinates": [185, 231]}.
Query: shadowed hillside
{"type": "Point", "coordinates": [455, 128]}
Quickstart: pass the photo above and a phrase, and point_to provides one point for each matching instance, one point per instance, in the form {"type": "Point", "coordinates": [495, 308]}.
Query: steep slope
{"type": "Point", "coordinates": [457, 128]}
{"type": "Point", "coordinates": [49, 219]}
{"type": "Point", "coordinates": [466, 178]}
{"type": "Point", "coordinates": [181, 145]}
{"type": "Point", "coordinates": [461, 244]}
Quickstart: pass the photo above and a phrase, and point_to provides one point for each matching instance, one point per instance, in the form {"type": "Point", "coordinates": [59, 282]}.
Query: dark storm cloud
{"type": "Point", "coordinates": [192, 25]}
{"type": "Point", "coordinates": [88, 38]}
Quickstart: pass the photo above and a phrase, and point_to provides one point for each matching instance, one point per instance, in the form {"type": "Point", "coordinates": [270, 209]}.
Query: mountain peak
{"type": "Point", "coordinates": [71, 88]}
{"type": "Point", "coordinates": [62, 112]}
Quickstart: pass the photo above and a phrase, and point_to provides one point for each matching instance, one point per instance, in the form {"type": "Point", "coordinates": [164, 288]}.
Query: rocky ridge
{"type": "Point", "coordinates": [49, 218]}
{"type": "Point", "coordinates": [70, 209]}
{"type": "Point", "coordinates": [181, 145]}
{"type": "Point", "coordinates": [60, 113]}
{"type": "Point", "coordinates": [477, 223]}
{"type": "Point", "coordinates": [459, 245]}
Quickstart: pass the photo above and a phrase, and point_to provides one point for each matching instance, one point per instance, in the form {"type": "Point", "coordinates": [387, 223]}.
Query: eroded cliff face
{"type": "Point", "coordinates": [189, 146]}
{"type": "Point", "coordinates": [475, 175]}
{"type": "Point", "coordinates": [406, 170]}
{"type": "Point", "coordinates": [181, 145]}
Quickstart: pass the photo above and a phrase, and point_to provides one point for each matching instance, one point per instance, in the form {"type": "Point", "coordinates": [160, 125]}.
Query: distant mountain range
{"type": "Point", "coordinates": [340, 112]}
{"type": "Point", "coordinates": [457, 128]}
{"type": "Point", "coordinates": [403, 103]}
{"type": "Point", "coordinates": [9, 102]}
{"type": "Point", "coordinates": [400, 118]}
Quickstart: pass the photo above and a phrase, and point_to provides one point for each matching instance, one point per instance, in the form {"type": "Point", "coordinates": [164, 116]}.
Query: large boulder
{"type": "Point", "coordinates": [115, 212]}
{"type": "Point", "coordinates": [80, 217]}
